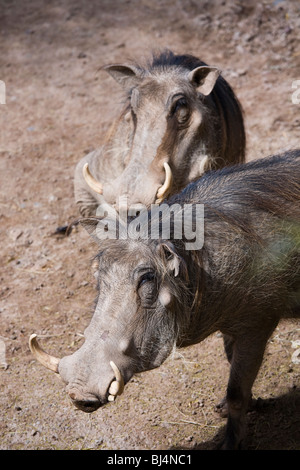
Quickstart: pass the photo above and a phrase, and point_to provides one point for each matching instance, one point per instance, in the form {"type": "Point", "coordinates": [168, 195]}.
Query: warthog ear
{"type": "Point", "coordinates": [89, 223]}
{"type": "Point", "coordinates": [204, 78]}
{"type": "Point", "coordinates": [126, 75]}
{"type": "Point", "coordinates": [174, 262]}
{"type": "Point", "coordinates": [101, 228]}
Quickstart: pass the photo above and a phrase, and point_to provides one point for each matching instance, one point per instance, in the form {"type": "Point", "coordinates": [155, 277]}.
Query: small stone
{"type": "Point", "coordinates": [15, 234]}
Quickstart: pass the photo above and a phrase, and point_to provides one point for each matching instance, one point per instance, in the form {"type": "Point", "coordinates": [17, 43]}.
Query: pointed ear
{"type": "Point", "coordinates": [90, 224]}
{"type": "Point", "coordinates": [204, 78]}
{"type": "Point", "coordinates": [102, 228]}
{"type": "Point", "coordinates": [174, 263]}
{"type": "Point", "coordinates": [126, 75]}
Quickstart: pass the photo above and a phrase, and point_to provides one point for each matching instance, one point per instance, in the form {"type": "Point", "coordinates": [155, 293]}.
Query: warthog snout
{"type": "Point", "coordinates": [88, 402]}
{"type": "Point", "coordinates": [85, 396]}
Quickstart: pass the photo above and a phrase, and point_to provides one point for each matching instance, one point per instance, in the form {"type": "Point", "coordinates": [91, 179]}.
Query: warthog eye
{"type": "Point", "coordinates": [147, 289]}
{"type": "Point", "coordinates": [181, 110]}
{"type": "Point", "coordinates": [147, 277]}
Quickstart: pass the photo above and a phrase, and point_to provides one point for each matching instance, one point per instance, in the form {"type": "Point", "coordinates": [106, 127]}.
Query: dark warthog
{"type": "Point", "coordinates": [154, 294]}
{"type": "Point", "coordinates": [180, 118]}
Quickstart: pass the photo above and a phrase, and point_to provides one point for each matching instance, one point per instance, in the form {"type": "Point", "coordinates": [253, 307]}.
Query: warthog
{"type": "Point", "coordinates": [180, 118]}
{"type": "Point", "coordinates": [155, 294]}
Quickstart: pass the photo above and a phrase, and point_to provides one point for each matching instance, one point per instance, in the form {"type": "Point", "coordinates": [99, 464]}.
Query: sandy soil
{"type": "Point", "coordinates": [58, 107]}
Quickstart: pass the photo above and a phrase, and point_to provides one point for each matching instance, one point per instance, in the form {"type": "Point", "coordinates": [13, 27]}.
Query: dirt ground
{"type": "Point", "coordinates": [58, 107]}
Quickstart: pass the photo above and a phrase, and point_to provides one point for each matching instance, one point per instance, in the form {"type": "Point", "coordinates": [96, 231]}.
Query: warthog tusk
{"type": "Point", "coordinates": [165, 188]}
{"type": "Point", "coordinates": [117, 386]}
{"type": "Point", "coordinates": [48, 361]}
{"type": "Point", "coordinates": [90, 180]}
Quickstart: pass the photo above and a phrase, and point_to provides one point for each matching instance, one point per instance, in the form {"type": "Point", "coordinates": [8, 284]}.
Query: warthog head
{"type": "Point", "coordinates": [134, 327]}
{"type": "Point", "coordinates": [182, 117]}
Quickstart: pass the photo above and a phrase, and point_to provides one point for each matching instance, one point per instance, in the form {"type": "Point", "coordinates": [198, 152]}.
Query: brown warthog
{"type": "Point", "coordinates": [155, 294]}
{"type": "Point", "coordinates": [180, 118]}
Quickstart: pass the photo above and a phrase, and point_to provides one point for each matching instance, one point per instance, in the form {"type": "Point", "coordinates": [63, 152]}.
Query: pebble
{"type": "Point", "coordinates": [15, 233]}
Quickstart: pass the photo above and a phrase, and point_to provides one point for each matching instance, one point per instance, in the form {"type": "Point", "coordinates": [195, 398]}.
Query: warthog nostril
{"type": "Point", "coordinates": [73, 396]}
{"type": "Point", "coordinates": [87, 404]}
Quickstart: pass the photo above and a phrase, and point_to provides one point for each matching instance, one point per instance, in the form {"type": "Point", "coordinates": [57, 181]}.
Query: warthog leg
{"type": "Point", "coordinates": [246, 357]}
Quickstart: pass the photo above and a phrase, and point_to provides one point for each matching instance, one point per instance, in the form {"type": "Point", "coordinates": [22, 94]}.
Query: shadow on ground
{"type": "Point", "coordinates": [268, 418]}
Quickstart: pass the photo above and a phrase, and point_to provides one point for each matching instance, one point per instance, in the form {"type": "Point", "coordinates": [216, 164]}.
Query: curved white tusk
{"type": "Point", "coordinates": [90, 180]}
{"type": "Point", "coordinates": [117, 386]}
{"type": "Point", "coordinates": [45, 359]}
{"type": "Point", "coordinates": [165, 188]}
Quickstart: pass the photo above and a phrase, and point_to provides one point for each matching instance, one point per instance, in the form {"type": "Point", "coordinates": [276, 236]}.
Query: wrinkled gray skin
{"type": "Point", "coordinates": [155, 295]}
{"type": "Point", "coordinates": [177, 110]}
